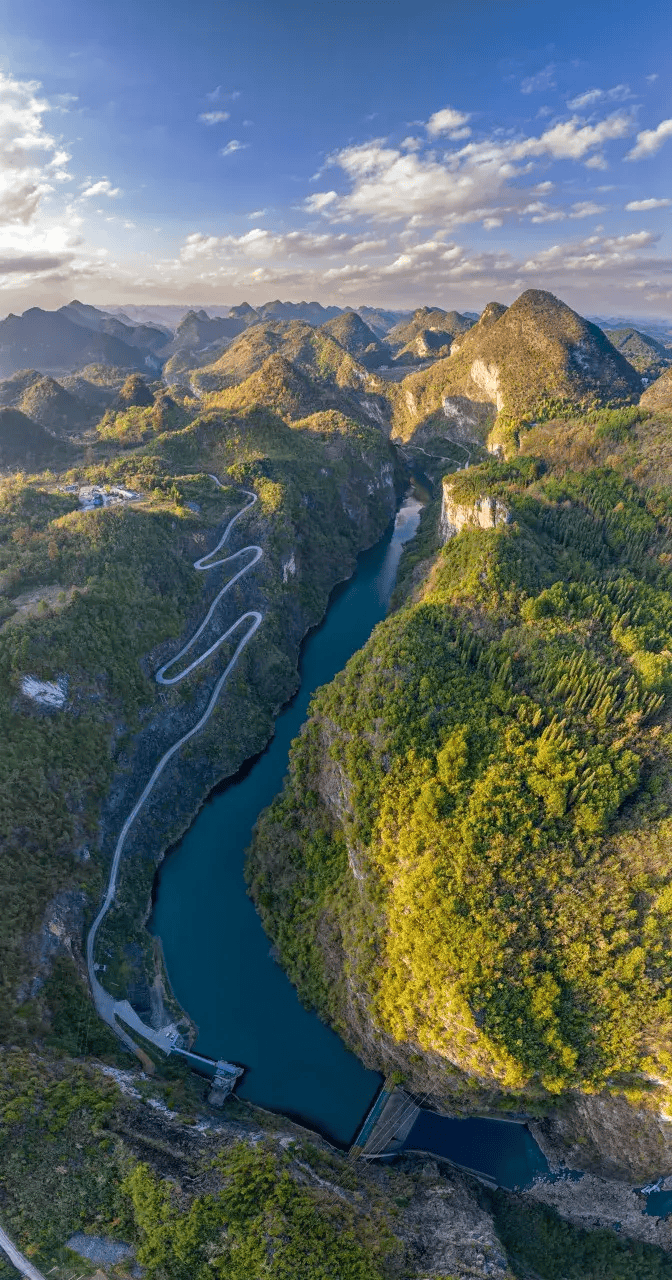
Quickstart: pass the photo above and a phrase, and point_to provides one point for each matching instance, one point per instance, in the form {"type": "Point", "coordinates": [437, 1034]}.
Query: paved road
{"type": "Point", "coordinates": [441, 456]}
{"type": "Point", "coordinates": [18, 1260]}
{"type": "Point", "coordinates": [107, 1006]}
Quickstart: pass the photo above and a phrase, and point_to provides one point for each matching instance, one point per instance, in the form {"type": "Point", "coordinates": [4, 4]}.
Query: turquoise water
{"type": "Point", "coordinates": [218, 956]}
{"type": "Point", "coordinates": [504, 1151]}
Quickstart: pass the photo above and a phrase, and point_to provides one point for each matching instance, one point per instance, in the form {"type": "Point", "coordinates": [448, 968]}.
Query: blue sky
{"type": "Point", "coordinates": [380, 151]}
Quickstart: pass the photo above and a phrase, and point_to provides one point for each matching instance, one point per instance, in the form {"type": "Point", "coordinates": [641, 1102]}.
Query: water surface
{"type": "Point", "coordinates": [217, 954]}
{"type": "Point", "coordinates": [502, 1150]}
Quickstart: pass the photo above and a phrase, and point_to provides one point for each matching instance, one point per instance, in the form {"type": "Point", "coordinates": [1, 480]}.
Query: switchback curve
{"type": "Point", "coordinates": [106, 1005]}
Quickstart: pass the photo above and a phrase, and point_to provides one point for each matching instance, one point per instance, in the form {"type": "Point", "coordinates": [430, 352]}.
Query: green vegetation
{"type": "Point", "coordinates": [310, 351]}
{"type": "Point", "coordinates": [129, 586]}
{"type": "Point", "coordinates": [445, 324]}
{"type": "Point", "coordinates": [659, 395]}
{"type": "Point", "coordinates": [26, 443]}
{"type": "Point", "coordinates": [644, 353]}
{"type": "Point", "coordinates": [351, 333]}
{"type": "Point", "coordinates": [541, 1246]}
{"type": "Point", "coordinates": [251, 1197]}
{"type": "Point", "coordinates": [259, 1223]}
{"type": "Point", "coordinates": [108, 586]}
{"type": "Point", "coordinates": [533, 359]}
{"type": "Point", "coordinates": [495, 768]}
{"type": "Point", "coordinates": [78, 1155]}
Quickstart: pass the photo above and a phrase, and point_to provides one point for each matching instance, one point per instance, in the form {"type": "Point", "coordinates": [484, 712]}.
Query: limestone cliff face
{"type": "Point", "coordinates": [518, 361]}
{"type": "Point", "coordinates": [487, 379]}
{"type": "Point", "coordinates": [483, 512]}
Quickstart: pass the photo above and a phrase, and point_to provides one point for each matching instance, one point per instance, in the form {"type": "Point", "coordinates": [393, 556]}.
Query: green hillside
{"type": "Point", "coordinates": [355, 336]}
{"type": "Point", "coordinates": [527, 361]}
{"type": "Point", "coordinates": [93, 597]}
{"type": "Point", "coordinates": [47, 402]}
{"type": "Point", "coordinates": [24, 443]}
{"type": "Point", "coordinates": [658, 396]}
{"type": "Point", "coordinates": [644, 353]}
{"type": "Point", "coordinates": [448, 324]}
{"type": "Point", "coordinates": [468, 871]}
{"type": "Point", "coordinates": [313, 353]}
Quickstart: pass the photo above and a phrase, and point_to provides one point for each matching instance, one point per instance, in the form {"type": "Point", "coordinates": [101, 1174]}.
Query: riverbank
{"type": "Point", "coordinates": [221, 964]}
{"type": "Point", "coordinates": [305, 554]}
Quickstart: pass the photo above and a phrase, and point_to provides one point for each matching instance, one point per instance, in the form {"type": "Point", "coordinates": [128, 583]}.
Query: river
{"type": "Point", "coordinates": [218, 957]}
{"type": "Point", "coordinates": [220, 961]}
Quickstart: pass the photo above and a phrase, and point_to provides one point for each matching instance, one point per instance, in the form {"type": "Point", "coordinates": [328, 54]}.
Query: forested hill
{"type": "Point", "coordinates": [468, 871]}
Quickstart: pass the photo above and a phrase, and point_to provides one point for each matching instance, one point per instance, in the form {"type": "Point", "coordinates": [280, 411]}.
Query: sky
{"type": "Point", "coordinates": [379, 152]}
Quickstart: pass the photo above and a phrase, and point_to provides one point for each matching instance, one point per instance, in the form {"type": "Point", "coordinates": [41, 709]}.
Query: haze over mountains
{"type": "Point", "coordinates": [63, 369]}
{"type": "Point", "coordinates": [463, 770]}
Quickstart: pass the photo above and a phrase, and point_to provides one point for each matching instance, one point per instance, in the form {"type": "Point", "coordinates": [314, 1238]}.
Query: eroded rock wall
{"type": "Point", "coordinates": [483, 512]}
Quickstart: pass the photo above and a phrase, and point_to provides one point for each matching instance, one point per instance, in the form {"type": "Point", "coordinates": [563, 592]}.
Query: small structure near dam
{"type": "Point", "coordinates": [226, 1076]}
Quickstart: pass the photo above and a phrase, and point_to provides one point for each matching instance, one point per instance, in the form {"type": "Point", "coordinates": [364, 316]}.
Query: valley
{"type": "Point", "coordinates": [445, 779]}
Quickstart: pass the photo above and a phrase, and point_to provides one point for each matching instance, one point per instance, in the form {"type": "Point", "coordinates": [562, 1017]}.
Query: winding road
{"type": "Point", "coordinates": [107, 1006]}
{"type": "Point", "coordinates": [441, 456]}
{"type": "Point", "coordinates": [18, 1259]}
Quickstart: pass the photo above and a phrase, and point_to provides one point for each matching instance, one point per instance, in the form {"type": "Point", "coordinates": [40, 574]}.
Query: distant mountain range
{"type": "Point", "coordinates": [198, 347]}
{"type": "Point", "coordinates": [76, 335]}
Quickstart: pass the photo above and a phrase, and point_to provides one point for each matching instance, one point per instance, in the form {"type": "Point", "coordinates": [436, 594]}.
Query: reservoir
{"type": "Point", "coordinates": [218, 957]}
{"type": "Point", "coordinates": [220, 961]}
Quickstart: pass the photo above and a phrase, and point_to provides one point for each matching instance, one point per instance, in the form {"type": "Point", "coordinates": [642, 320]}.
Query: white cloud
{"type": "Point", "coordinates": [408, 268]}
{"type": "Point", "coordinates": [594, 253]}
{"type": "Point", "coordinates": [541, 212]}
{"type": "Point", "coordinates": [369, 246]}
{"type": "Point", "coordinates": [591, 97]}
{"type": "Point", "coordinates": [643, 206]}
{"type": "Point", "coordinates": [572, 139]}
{"type": "Point", "coordinates": [649, 141]}
{"type": "Point", "coordinates": [319, 201]}
{"type": "Point", "coordinates": [197, 245]}
{"type": "Point", "coordinates": [449, 121]}
{"type": "Point", "coordinates": [233, 145]}
{"type": "Point", "coordinates": [467, 185]}
{"type": "Point", "coordinates": [101, 188]}
{"type": "Point", "coordinates": [542, 80]}
{"type": "Point", "coordinates": [261, 243]}
{"type": "Point", "coordinates": [214, 117]}
{"type": "Point", "coordinates": [423, 186]}
{"type": "Point", "coordinates": [586, 209]}
{"type": "Point", "coordinates": [30, 158]}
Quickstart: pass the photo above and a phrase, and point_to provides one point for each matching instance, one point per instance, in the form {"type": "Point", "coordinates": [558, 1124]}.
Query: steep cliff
{"type": "Point", "coordinates": [525, 361]}
{"type": "Point", "coordinates": [465, 872]}
{"type": "Point", "coordinates": [480, 512]}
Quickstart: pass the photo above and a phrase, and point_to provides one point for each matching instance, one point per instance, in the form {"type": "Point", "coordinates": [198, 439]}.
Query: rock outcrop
{"type": "Point", "coordinates": [525, 361]}
{"type": "Point", "coordinates": [482, 512]}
